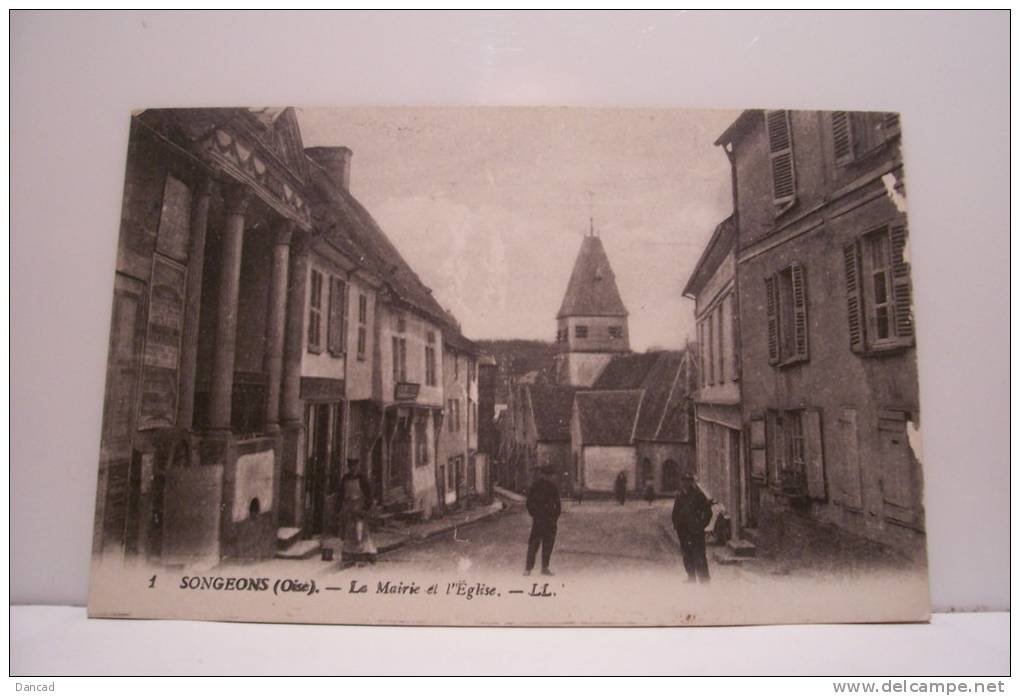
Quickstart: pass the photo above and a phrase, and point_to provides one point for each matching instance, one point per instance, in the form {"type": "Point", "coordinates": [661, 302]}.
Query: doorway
{"type": "Point", "coordinates": [324, 428]}
{"type": "Point", "coordinates": [670, 475]}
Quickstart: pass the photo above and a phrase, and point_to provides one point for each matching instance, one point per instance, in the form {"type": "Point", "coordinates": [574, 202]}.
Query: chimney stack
{"type": "Point", "coordinates": [337, 163]}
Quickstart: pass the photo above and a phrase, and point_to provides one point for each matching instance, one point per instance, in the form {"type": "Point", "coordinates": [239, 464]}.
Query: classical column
{"type": "Point", "coordinates": [236, 199]}
{"type": "Point", "coordinates": [294, 340]}
{"type": "Point", "coordinates": [193, 303]}
{"type": "Point", "coordinates": [277, 315]}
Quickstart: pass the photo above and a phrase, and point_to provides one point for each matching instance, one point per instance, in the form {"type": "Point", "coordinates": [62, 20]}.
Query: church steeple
{"type": "Point", "coordinates": [592, 290]}
{"type": "Point", "coordinates": [592, 321]}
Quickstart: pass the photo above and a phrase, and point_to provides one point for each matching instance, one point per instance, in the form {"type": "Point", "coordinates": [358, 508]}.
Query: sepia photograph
{"type": "Point", "coordinates": [512, 366]}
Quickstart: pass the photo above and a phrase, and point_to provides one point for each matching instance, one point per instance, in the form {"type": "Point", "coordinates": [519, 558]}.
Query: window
{"type": "Point", "coordinates": [756, 441]}
{"type": "Point", "coordinates": [456, 368]}
{"type": "Point", "coordinates": [421, 443]}
{"type": "Point", "coordinates": [362, 339]}
{"type": "Point", "coordinates": [474, 418]}
{"type": "Point", "coordinates": [786, 316]}
{"type": "Point", "coordinates": [701, 353]}
{"type": "Point", "coordinates": [337, 333]}
{"type": "Point", "coordinates": [780, 138]}
{"type": "Point", "coordinates": [721, 353]}
{"type": "Point", "coordinates": [615, 332]}
{"type": "Point", "coordinates": [453, 406]}
{"type": "Point", "coordinates": [795, 440]}
{"type": "Point", "coordinates": [362, 325]}
{"type": "Point", "coordinates": [734, 337]}
{"type": "Point", "coordinates": [430, 366]}
{"type": "Point", "coordinates": [315, 313]}
{"type": "Point", "coordinates": [794, 446]}
{"type": "Point", "coordinates": [399, 359]}
{"type": "Point", "coordinates": [856, 134]}
{"type": "Point", "coordinates": [878, 291]}
{"type": "Point", "coordinates": [580, 331]}
{"type": "Point", "coordinates": [710, 343]}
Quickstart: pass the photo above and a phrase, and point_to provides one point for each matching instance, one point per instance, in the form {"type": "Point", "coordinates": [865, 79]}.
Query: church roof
{"type": "Point", "coordinates": [660, 377]}
{"type": "Point", "coordinates": [592, 290]}
{"type": "Point", "coordinates": [552, 404]}
{"type": "Point", "coordinates": [607, 417]}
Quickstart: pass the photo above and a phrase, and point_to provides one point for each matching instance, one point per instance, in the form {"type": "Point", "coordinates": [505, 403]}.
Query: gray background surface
{"type": "Point", "coordinates": [75, 78]}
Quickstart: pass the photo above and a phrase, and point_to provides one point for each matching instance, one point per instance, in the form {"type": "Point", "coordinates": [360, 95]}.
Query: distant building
{"type": "Point", "coordinates": [591, 325]}
{"type": "Point", "coordinates": [828, 379]}
{"type": "Point", "coordinates": [458, 475]}
{"type": "Point", "coordinates": [599, 409]}
{"type": "Point", "coordinates": [723, 469]}
{"type": "Point", "coordinates": [488, 428]}
{"type": "Point", "coordinates": [636, 419]}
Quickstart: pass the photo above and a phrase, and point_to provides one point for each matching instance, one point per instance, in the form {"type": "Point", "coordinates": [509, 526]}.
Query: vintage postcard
{"type": "Point", "coordinates": [512, 366]}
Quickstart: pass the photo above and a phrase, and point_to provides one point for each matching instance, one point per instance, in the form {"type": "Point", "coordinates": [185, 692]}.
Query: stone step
{"type": "Point", "coordinates": [724, 556]}
{"type": "Point", "coordinates": [285, 536]}
{"type": "Point", "coordinates": [742, 547]}
{"type": "Point", "coordinates": [300, 550]}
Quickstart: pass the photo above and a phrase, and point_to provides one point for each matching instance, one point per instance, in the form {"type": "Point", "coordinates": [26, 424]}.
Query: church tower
{"type": "Point", "coordinates": [592, 321]}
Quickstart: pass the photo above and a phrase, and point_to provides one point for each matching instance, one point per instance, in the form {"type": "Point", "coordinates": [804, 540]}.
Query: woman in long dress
{"type": "Point", "coordinates": [355, 503]}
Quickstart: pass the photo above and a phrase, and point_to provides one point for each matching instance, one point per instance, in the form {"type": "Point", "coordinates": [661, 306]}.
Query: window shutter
{"type": "Point", "coordinates": [850, 479]}
{"type": "Point", "coordinates": [344, 314]}
{"type": "Point", "coordinates": [336, 317]}
{"type": "Point", "coordinates": [842, 137]}
{"type": "Point", "coordinates": [784, 184]}
{"type": "Point", "coordinates": [735, 336]}
{"type": "Point", "coordinates": [775, 443]}
{"type": "Point", "coordinates": [854, 311]}
{"type": "Point", "coordinates": [814, 464]}
{"type": "Point", "coordinates": [800, 324]}
{"type": "Point", "coordinates": [890, 125]}
{"type": "Point", "coordinates": [901, 284]}
{"type": "Point", "coordinates": [772, 318]}
{"type": "Point", "coordinates": [900, 480]}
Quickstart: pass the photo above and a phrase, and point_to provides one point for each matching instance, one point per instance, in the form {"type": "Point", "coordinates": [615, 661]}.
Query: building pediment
{"type": "Point", "coordinates": [242, 156]}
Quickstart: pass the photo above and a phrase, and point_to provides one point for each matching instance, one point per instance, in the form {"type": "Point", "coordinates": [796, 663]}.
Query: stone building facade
{"type": "Point", "coordinates": [828, 382]}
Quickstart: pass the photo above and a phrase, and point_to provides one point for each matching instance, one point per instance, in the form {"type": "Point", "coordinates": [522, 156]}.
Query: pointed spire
{"type": "Point", "coordinates": [592, 290]}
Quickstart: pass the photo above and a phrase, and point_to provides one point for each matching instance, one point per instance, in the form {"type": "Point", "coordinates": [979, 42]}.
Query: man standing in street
{"type": "Point", "coordinates": [620, 487]}
{"type": "Point", "coordinates": [544, 507]}
{"type": "Point", "coordinates": [691, 512]}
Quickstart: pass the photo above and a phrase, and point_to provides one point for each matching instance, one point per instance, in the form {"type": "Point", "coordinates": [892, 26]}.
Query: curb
{"type": "Point", "coordinates": [509, 495]}
{"type": "Point", "coordinates": [446, 529]}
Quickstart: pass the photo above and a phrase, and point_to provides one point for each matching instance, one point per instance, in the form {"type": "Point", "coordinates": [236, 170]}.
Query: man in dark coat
{"type": "Point", "coordinates": [620, 487]}
{"type": "Point", "coordinates": [544, 507]}
{"type": "Point", "coordinates": [691, 512]}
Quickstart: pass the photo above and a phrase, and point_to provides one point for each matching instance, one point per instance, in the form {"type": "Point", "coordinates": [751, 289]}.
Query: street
{"type": "Point", "coordinates": [594, 536]}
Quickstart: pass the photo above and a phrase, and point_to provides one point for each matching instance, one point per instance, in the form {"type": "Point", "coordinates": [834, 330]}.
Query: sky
{"type": "Point", "coordinates": [489, 204]}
